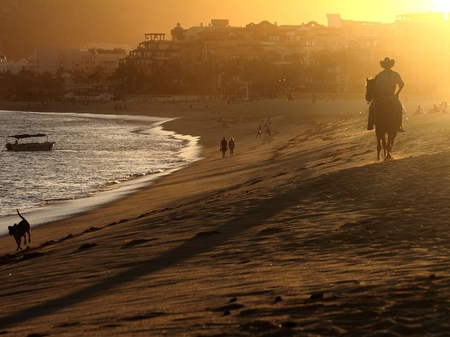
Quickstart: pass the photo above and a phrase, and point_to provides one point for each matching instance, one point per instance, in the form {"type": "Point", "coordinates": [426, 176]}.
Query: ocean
{"type": "Point", "coordinates": [96, 159]}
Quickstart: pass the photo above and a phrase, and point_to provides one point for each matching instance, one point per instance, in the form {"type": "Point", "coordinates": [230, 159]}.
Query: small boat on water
{"type": "Point", "coordinates": [26, 142]}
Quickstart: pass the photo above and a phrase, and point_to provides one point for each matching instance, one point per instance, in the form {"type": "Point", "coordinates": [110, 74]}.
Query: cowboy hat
{"type": "Point", "coordinates": [387, 63]}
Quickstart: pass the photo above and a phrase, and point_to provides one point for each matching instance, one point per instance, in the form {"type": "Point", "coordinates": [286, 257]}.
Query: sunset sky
{"type": "Point", "coordinates": [80, 23]}
{"type": "Point", "coordinates": [284, 12]}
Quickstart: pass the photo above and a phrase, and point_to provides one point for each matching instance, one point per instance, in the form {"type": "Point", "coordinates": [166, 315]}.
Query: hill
{"type": "Point", "coordinates": [27, 24]}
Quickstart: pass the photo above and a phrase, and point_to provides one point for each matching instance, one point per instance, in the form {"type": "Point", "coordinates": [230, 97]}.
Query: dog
{"type": "Point", "coordinates": [19, 230]}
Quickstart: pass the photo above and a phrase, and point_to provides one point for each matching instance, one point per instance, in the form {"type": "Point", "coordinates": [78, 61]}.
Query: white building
{"type": "Point", "coordinates": [12, 66]}
{"type": "Point", "coordinates": [3, 63]}
{"type": "Point", "coordinates": [54, 59]}
{"type": "Point", "coordinates": [45, 59]}
{"type": "Point", "coordinates": [15, 67]}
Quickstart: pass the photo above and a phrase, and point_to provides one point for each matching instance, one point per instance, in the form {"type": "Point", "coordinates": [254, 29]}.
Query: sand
{"type": "Point", "coordinates": [300, 233]}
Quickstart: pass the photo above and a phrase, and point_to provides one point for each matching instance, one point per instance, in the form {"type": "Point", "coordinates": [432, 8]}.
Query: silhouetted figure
{"type": "Point", "coordinates": [231, 146]}
{"type": "Point", "coordinates": [434, 109]}
{"type": "Point", "coordinates": [259, 133]}
{"type": "Point", "coordinates": [223, 147]}
{"type": "Point", "coordinates": [388, 81]}
{"type": "Point", "coordinates": [419, 110]}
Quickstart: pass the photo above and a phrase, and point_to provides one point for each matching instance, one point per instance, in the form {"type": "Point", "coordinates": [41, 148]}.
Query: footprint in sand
{"type": "Point", "coordinates": [31, 255]}
{"type": "Point", "coordinates": [207, 233]}
{"type": "Point", "coordinates": [135, 243]}
{"type": "Point", "coordinates": [277, 299]}
{"type": "Point", "coordinates": [68, 324]}
{"type": "Point", "coordinates": [228, 307]}
{"type": "Point", "coordinates": [141, 317]}
{"type": "Point", "coordinates": [259, 326]}
{"type": "Point", "coordinates": [316, 296]}
{"type": "Point", "coordinates": [87, 246]}
{"type": "Point", "coordinates": [90, 230]}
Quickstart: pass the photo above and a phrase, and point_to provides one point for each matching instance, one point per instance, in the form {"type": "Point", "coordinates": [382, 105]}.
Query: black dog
{"type": "Point", "coordinates": [19, 230]}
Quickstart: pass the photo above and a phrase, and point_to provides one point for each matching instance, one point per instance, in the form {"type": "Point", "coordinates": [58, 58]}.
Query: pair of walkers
{"type": "Point", "coordinates": [268, 126]}
{"type": "Point", "coordinates": [224, 146]}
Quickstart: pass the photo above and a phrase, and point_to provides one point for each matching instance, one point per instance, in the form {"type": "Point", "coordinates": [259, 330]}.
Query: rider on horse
{"type": "Point", "coordinates": [388, 80]}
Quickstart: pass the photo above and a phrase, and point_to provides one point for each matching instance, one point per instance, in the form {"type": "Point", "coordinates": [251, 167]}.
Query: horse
{"type": "Point", "coordinates": [386, 122]}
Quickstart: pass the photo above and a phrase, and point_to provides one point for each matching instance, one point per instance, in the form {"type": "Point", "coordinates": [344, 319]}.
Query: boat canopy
{"type": "Point", "coordinates": [26, 135]}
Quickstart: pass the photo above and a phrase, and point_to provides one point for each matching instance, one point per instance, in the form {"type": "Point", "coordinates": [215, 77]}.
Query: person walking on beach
{"type": "Point", "coordinates": [268, 131]}
{"type": "Point", "coordinates": [223, 147]}
{"type": "Point", "coordinates": [231, 146]}
{"type": "Point", "coordinates": [259, 133]}
{"type": "Point", "coordinates": [388, 81]}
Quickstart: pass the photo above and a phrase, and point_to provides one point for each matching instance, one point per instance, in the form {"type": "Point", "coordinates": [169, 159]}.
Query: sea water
{"type": "Point", "coordinates": [94, 156]}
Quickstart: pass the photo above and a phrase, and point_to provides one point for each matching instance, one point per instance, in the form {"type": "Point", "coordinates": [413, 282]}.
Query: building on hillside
{"type": "Point", "coordinates": [13, 66]}
{"type": "Point", "coordinates": [336, 57]}
{"type": "Point", "coordinates": [422, 44]}
{"type": "Point", "coordinates": [16, 66]}
{"type": "Point", "coordinates": [419, 42]}
{"type": "Point", "coordinates": [155, 58]}
{"type": "Point", "coordinates": [45, 59]}
{"type": "Point", "coordinates": [82, 70]}
{"type": "Point", "coordinates": [173, 65]}
{"type": "Point", "coordinates": [190, 60]}
{"type": "Point", "coordinates": [258, 41]}
{"type": "Point", "coordinates": [53, 59]}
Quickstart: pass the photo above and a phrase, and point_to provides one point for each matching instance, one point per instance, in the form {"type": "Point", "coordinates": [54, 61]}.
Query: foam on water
{"type": "Point", "coordinates": [96, 159]}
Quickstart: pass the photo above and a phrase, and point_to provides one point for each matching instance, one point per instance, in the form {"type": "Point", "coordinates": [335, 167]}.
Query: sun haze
{"type": "Point", "coordinates": [241, 12]}
{"type": "Point", "coordinates": [77, 23]}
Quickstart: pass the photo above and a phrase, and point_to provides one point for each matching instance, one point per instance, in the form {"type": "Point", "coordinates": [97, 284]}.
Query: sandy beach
{"type": "Point", "coordinates": [301, 233]}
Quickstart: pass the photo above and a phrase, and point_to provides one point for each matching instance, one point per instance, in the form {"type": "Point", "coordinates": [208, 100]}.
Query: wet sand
{"type": "Point", "coordinates": [299, 233]}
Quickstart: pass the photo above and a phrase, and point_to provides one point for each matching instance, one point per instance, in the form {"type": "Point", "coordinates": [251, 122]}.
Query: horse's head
{"type": "Point", "coordinates": [371, 86]}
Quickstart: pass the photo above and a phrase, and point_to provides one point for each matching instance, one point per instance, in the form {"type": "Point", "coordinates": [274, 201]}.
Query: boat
{"type": "Point", "coordinates": [26, 142]}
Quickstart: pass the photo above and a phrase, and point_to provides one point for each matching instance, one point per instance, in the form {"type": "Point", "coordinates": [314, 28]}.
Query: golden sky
{"type": "Point", "coordinates": [77, 23]}
{"type": "Point", "coordinates": [241, 12]}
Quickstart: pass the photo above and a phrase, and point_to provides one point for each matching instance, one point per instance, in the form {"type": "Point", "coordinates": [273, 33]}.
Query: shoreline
{"type": "Point", "coordinates": [67, 208]}
{"type": "Point", "coordinates": [174, 118]}
{"type": "Point", "coordinates": [300, 233]}
{"type": "Point", "coordinates": [181, 120]}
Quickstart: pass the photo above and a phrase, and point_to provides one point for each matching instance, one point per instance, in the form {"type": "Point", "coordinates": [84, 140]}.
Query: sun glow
{"type": "Point", "coordinates": [442, 5]}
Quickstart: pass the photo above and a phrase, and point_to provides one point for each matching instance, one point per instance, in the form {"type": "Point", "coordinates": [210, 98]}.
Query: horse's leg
{"type": "Point", "coordinates": [389, 146]}
{"type": "Point", "coordinates": [377, 134]}
{"type": "Point", "coordinates": [389, 155]}
{"type": "Point", "coordinates": [385, 147]}
{"type": "Point", "coordinates": [391, 137]}
{"type": "Point", "coordinates": [381, 141]}
{"type": "Point", "coordinates": [389, 149]}
{"type": "Point", "coordinates": [378, 148]}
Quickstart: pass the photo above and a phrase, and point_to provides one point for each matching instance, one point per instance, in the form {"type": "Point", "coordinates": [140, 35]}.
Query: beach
{"type": "Point", "coordinates": [300, 233]}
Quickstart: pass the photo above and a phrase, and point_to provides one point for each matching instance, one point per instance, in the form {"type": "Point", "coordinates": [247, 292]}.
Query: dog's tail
{"type": "Point", "coordinates": [20, 215]}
